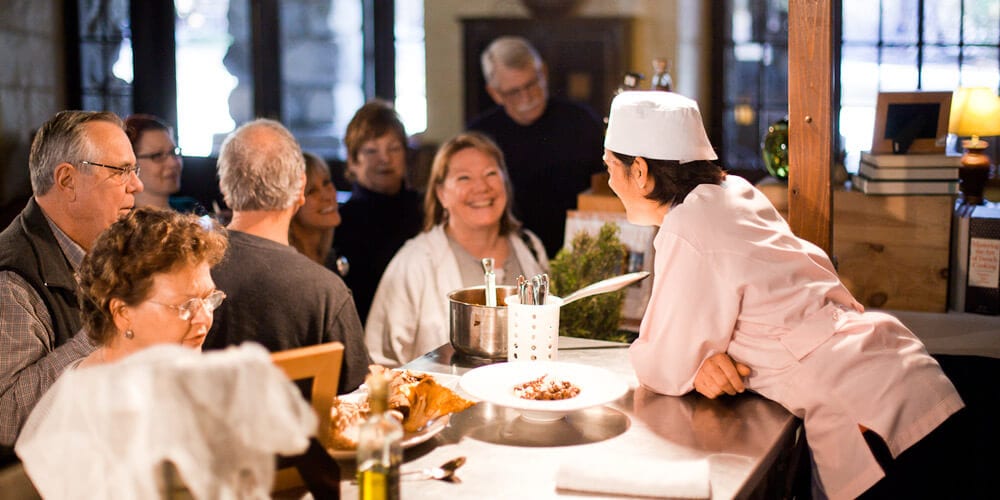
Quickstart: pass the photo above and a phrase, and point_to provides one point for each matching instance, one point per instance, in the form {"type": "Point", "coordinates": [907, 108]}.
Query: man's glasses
{"type": "Point", "coordinates": [161, 155]}
{"type": "Point", "coordinates": [188, 309]}
{"type": "Point", "coordinates": [123, 172]}
{"type": "Point", "coordinates": [533, 84]}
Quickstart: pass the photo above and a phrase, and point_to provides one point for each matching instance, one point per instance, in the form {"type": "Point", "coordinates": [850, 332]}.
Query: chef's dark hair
{"type": "Point", "coordinates": [672, 181]}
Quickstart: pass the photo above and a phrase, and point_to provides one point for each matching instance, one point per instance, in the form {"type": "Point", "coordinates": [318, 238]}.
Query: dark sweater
{"type": "Point", "coordinates": [282, 300]}
{"type": "Point", "coordinates": [374, 226]}
{"type": "Point", "coordinates": [550, 162]}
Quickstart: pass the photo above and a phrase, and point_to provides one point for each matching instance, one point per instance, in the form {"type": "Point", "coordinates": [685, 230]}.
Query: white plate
{"type": "Point", "coordinates": [495, 384]}
{"type": "Point", "coordinates": [410, 439]}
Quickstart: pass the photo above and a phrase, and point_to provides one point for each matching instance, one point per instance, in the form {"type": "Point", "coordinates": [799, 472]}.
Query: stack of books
{"type": "Point", "coordinates": [975, 259]}
{"type": "Point", "coordinates": [907, 173]}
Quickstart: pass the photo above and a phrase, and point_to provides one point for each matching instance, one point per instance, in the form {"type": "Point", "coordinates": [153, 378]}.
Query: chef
{"type": "Point", "coordinates": [739, 302]}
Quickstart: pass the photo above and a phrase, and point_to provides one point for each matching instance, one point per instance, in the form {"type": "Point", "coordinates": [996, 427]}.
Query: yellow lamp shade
{"type": "Point", "coordinates": [975, 111]}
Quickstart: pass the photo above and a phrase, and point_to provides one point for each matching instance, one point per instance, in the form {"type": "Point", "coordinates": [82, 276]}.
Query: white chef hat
{"type": "Point", "coordinates": [657, 125]}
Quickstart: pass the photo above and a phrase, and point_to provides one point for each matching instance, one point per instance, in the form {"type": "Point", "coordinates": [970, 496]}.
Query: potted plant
{"type": "Point", "coordinates": [588, 259]}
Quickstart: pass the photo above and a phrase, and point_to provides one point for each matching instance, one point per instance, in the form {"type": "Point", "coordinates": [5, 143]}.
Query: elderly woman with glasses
{"type": "Point", "coordinates": [146, 395]}
{"type": "Point", "coordinates": [160, 163]}
{"type": "Point", "coordinates": [146, 281]}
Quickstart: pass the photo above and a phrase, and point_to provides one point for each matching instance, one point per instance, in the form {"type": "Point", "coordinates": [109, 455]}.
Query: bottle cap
{"type": "Point", "coordinates": [378, 392]}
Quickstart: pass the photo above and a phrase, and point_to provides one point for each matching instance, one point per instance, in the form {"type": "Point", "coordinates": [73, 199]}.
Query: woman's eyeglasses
{"type": "Point", "coordinates": [188, 309]}
{"type": "Point", "coordinates": [160, 155]}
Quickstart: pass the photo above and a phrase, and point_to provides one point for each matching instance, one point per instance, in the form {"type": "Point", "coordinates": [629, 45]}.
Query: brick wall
{"type": "Point", "coordinates": [31, 89]}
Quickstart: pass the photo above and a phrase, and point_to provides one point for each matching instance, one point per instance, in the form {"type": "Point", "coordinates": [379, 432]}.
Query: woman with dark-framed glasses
{"type": "Point", "coordinates": [146, 281]}
{"type": "Point", "coordinates": [161, 164]}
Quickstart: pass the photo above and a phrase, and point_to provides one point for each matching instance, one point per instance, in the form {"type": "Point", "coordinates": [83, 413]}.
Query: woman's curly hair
{"type": "Point", "coordinates": [127, 255]}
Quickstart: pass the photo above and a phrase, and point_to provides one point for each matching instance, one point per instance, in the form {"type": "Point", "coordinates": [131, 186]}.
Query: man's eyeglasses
{"type": "Point", "coordinates": [533, 84]}
{"type": "Point", "coordinates": [371, 151]}
{"type": "Point", "coordinates": [188, 309]}
{"type": "Point", "coordinates": [160, 155]}
{"type": "Point", "coordinates": [123, 172]}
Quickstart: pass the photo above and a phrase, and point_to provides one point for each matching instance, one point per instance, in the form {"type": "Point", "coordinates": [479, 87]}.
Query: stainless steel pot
{"type": "Point", "coordinates": [478, 330]}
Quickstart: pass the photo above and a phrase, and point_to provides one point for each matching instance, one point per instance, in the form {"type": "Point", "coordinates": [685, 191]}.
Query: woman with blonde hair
{"type": "Point", "coordinates": [312, 228]}
{"type": "Point", "coordinates": [467, 218]}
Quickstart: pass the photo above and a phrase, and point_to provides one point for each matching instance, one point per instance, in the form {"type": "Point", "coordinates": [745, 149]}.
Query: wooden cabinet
{"type": "Point", "coordinates": [893, 251]}
{"type": "Point", "coordinates": [587, 57]}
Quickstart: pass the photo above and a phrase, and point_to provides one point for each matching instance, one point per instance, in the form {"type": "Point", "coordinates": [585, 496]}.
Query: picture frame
{"type": "Point", "coordinates": [911, 122]}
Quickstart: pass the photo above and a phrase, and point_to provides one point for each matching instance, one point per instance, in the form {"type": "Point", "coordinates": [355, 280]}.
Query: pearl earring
{"type": "Point", "coordinates": [129, 334]}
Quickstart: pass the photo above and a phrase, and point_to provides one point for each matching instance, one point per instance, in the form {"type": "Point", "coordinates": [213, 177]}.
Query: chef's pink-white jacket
{"type": "Point", "coordinates": [731, 277]}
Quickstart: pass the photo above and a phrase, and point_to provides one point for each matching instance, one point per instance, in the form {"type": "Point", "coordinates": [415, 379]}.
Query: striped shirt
{"type": "Point", "coordinates": [29, 362]}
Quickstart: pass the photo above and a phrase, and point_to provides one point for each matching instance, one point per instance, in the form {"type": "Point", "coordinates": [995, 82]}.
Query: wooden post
{"type": "Point", "coordinates": [811, 69]}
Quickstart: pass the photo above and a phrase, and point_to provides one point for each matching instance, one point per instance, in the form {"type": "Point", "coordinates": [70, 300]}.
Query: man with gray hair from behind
{"type": "Point", "coordinates": [275, 295]}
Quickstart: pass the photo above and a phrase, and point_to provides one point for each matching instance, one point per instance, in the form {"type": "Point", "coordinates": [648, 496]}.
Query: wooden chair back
{"type": "Point", "coordinates": [321, 363]}
{"type": "Point", "coordinates": [15, 483]}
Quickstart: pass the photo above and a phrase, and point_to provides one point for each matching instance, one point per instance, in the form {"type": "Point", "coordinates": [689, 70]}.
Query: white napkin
{"type": "Point", "coordinates": [637, 477]}
{"type": "Point", "coordinates": [219, 417]}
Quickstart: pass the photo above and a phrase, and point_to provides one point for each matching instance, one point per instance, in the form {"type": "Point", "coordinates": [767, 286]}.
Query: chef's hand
{"type": "Point", "coordinates": [720, 374]}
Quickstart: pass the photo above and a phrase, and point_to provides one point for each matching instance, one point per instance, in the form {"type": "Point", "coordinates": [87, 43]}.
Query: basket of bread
{"type": "Point", "coordinates": [417, 399]}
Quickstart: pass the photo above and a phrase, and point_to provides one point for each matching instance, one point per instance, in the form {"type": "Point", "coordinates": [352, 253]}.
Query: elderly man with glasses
{"type": "Point", "coordinates": [84, 177]}
{"type": "Point", "coordinates": [551, 145]}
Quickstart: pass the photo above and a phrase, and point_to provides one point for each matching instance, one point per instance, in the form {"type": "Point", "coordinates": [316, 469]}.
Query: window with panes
{"type": "Point", "coordinates": [308, 63]}
{"type": "Point", "coordinates": [885, 45]}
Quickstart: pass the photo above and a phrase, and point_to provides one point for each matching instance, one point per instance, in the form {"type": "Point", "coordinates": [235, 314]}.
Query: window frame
{"type": "Point", "coordinates": [154, 84]}
{"type": "Point", "coordinates": [723, 44]}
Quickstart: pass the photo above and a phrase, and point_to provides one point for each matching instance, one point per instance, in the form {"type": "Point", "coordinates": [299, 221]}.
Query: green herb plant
{"type": "Point", "coordinates": [590, 259]}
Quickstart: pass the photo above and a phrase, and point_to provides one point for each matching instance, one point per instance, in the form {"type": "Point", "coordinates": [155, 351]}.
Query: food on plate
{"type": "Point", "coordinates": [415, 398]}
{"type": "Point", "coordinates": [546, 388]}
{"type": "Point", "coordinates": [430, 400]}
{"type": "Point", "coordinates": [345, 421]}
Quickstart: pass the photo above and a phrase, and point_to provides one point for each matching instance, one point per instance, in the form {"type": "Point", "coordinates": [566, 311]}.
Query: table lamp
{"type": "Point", "coordinates": [975, 112]}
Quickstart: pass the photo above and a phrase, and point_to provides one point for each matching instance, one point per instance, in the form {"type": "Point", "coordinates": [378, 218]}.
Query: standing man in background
{"type": "Point", "coordinates": [546, 141]}
{"type": "Point", "coordinates": [83, 178]}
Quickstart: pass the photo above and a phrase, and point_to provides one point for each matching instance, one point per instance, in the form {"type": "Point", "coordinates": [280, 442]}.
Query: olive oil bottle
{"type": "Point", "coordinates": [379, 450]}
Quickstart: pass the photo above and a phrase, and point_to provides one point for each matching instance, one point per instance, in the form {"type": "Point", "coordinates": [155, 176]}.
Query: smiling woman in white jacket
{"type": "Point", "coordinates": [467, 218]}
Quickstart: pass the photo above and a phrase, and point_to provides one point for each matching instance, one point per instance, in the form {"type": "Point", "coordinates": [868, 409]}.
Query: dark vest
{"type": "Point", "coordinates": [28, 248]}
